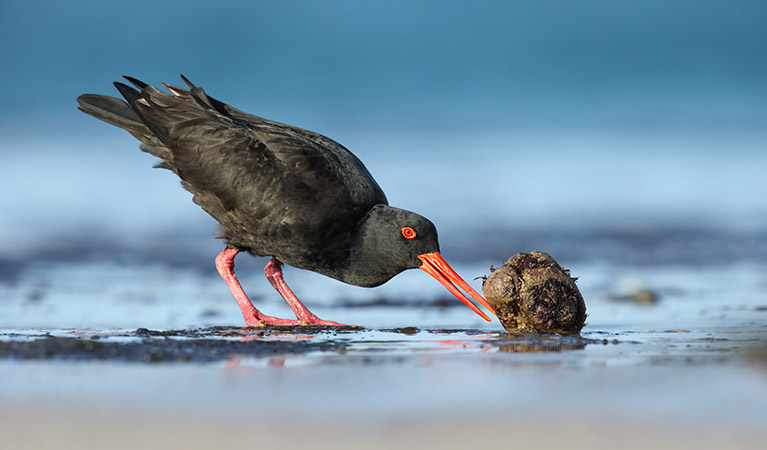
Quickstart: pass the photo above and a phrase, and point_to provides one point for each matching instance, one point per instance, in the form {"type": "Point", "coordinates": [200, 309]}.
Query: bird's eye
{"type": "Point", "coordinates": [408, 232]}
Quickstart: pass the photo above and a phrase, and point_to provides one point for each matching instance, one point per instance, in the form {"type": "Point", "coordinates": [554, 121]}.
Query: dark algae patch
{"type": "Point", "coordinates": [532, 293]}
{"type": "Point", "coordinates": [245, 332]}
{"type": "Point", "coordinates": [158, 347]}
{"type": "Point", "coordinates": [219, 344]}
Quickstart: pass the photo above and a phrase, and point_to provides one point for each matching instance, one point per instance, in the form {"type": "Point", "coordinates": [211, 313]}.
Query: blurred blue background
{"type": "Point", "coordinates": [488, 65]}
{"type": "Point", "coordinates": [481, 115]}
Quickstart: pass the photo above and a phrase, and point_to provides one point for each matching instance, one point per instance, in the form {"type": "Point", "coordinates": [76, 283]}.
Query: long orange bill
{"type": "Point", "coordinates": [436, 266]}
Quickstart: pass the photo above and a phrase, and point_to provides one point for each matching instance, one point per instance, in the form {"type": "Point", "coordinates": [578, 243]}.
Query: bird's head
{"type": "Point", "coordinates": [394, 239]}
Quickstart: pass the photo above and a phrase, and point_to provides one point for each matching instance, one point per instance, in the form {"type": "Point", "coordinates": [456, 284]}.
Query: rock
{"type": "Point", "coordinates": [532, 293]}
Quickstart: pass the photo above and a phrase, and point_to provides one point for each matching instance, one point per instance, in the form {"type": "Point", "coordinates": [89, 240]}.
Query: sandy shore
{"type": "Point", "coordinates": [113, 428]}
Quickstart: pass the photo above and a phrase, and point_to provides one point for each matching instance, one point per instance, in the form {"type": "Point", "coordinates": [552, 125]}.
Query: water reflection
{"type": "Point", "coordinates": [512, 343]}
{"type": "Point", "coordinates": [534, 342]}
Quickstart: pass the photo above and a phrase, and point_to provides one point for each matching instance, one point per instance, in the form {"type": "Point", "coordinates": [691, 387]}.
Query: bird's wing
{"type": "Point", "coordinates": [231, 111]}
{"type": "Point", "coordinates": [261, 180]}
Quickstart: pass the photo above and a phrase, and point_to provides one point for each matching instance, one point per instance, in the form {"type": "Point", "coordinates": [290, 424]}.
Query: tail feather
{"type": "Point", "coordinates": [118, 113]}
{"type": "Point", "coordinates": [111, 110]}
{"type": "Point", "coordinates": [188, 83]}
{"type": "Point", "coordinates": [133, 97]}
{"type": "Point", "coordinates": [138, 83]}
{"type": "Point", "coordinates": [135, 113]}
{"type": "Point", "coordinates": [175, 90]}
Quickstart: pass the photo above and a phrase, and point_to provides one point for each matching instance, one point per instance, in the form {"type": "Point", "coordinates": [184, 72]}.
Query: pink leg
{"type": "Point", "coordinates": [253, 317]}
{"type": "Point", "coordinates": [273, 271]}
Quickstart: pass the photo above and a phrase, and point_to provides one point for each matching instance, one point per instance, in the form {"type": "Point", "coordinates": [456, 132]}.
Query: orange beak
{"type": "Point", "coordinates": [434, 265]}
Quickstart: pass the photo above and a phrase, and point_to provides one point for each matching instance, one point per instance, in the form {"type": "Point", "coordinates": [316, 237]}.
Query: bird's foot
{"type": "Point", "coordinates": [262, 320]}
{"type": "Point", "coordinates": [311, 319]}
{"type": "Point", "coordinates": [330, 323]}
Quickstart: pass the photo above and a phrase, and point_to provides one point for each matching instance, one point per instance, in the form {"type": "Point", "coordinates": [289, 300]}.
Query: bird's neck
{"type": "Point", "coordinates": [370, 262]}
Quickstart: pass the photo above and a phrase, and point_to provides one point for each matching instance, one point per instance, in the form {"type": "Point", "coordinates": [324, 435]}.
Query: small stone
{"type": "Point", "coordinates": [532, 293]}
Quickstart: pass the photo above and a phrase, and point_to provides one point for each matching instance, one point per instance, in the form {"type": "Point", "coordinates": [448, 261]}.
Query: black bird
{"type": "Point", "coordinates": [278, 191]}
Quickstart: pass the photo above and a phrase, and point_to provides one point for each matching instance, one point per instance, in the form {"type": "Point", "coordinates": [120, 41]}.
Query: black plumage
{"type": "Point", "coordinates": [275, 189]}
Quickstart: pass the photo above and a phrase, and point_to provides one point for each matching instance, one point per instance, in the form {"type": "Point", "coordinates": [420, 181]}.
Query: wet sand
{"type": "Point", "coordinates": [94, 428]}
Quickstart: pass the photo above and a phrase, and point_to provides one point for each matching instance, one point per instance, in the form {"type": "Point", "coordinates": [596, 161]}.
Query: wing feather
{"type": "Point", "coordinates": [275, 189]}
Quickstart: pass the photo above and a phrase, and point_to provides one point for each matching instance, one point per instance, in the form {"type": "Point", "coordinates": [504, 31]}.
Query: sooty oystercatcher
{"type": "Point", "coordinates": [278, 191]}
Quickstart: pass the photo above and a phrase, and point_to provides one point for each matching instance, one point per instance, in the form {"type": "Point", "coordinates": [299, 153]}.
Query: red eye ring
{"type": "Point", "coordinates": [408, 232]}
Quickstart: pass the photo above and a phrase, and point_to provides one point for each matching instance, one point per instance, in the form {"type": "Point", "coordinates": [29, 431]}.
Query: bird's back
{"type": "Point", "coordinates": [275, 189]}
